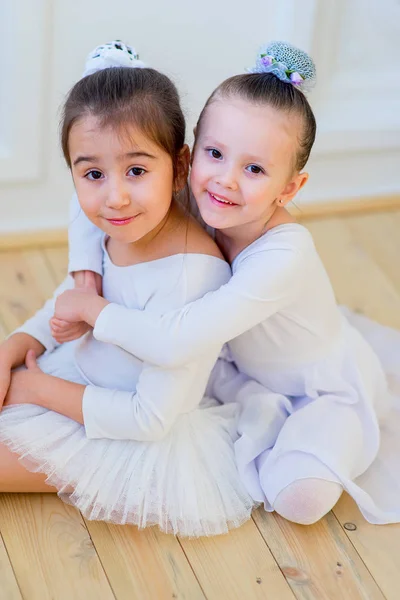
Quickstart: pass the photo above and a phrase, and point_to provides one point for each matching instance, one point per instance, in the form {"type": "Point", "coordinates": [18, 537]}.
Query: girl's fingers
{"type": "Point", "coordinates": [30, 360]}
{"type": "Point", "coordinates": [69, 335]}
{"type": "Point", "coordinates": [65, 327]}
{"type": "Point", "coordinates": [61, 322]}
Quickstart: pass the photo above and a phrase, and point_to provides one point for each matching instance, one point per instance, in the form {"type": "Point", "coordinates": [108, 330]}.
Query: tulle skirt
{"type": "Point", "coordinates": [187, 483]}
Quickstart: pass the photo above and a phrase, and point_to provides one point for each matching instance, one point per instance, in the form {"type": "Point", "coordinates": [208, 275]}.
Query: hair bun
{"type": "Point", "coordinates": [288, 63]}
{"type": "Point", "coordinates": [112, 54]}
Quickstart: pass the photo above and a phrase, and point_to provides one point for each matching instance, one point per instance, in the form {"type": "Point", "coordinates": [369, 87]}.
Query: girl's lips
{"type": "Point", "coordinates": [120, 222]}
{"type": "Point", "coordinates": [220, 201]}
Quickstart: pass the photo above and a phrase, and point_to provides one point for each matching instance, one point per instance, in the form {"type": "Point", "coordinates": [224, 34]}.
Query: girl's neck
{"type": "Point", "coordinates": [164, 240]}
{"type": "Point", "coordinates": [234, 240]}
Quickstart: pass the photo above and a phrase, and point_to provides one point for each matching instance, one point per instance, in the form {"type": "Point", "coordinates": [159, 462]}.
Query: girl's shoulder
{"type": "Point", "coordinates": [183, 234]}
{"type": "Point", "coordinates": [202, 268]}
{"type": "Point", "coordinates": [198, 241]}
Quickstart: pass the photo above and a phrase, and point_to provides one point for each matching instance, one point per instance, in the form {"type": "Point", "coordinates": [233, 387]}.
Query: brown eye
{"type": "Point", "coordinates": [255, 169]}
{"type": "Point", "coordinates": [137, 171]}
{"type": "Point", "coordinates": [94, 175]}
{"type": "Point", "coordinates": [214, 153]}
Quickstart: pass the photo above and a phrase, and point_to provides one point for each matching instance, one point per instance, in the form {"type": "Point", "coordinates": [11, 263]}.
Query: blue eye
{"type": "Point", "coordinates": [137, 171]}
{"type": "Point", "coordinates": [94, 175]}
{"type": "Point", "coordinates": [255, 169]}
{"type": "Point", "coordinates": [214, 153]}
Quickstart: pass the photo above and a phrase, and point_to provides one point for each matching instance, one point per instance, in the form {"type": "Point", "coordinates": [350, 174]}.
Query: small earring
{"type": "Point", "coordinates": [281, 201]}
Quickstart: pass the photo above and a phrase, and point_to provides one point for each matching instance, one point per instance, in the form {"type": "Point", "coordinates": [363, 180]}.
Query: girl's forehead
{"type": "Point", "coordinates": [249, 126]}
{"type": "Point", "coordinates": [238, 112]}
{"type": "Point", "coordinates": [89, 131]}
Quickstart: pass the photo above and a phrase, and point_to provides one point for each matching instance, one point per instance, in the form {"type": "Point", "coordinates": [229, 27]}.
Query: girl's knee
{"type": "Point", "coordinates": [306, 501]}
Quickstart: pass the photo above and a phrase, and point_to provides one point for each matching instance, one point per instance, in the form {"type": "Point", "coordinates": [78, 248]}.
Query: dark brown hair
{"type": "Point", "coordinates": [117, 96]}
{"type": "Point", "coordinates": [267, 89]}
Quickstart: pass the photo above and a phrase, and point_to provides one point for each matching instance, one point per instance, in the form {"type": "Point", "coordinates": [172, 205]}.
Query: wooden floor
{"type": "Point", "coordinates": [48, 551]}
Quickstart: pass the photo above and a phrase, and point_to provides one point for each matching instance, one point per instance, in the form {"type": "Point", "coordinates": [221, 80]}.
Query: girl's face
{"type": "Point", "coordinates": [124, 182]}
{"type": "Point", "coordinates": [243, 163]}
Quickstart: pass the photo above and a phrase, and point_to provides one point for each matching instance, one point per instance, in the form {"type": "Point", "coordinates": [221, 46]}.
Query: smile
{"type": "Point", "coordinates": [220, 201]}
{"type": "Point", "coordinates": [120, 222]}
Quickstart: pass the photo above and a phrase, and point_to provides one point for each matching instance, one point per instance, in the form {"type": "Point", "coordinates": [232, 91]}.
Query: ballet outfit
{"type": "Point", "coordinates": [153, 450]}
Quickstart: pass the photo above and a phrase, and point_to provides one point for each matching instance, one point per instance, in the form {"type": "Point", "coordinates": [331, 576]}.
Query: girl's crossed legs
{"type": "Point", "coordinates": [294, 475]}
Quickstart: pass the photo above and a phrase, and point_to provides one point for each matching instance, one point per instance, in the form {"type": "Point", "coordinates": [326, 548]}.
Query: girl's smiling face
{"type": "Point", "coordinates": [123, 180]}
{"type": "Point", "coordinates": [243, 163]}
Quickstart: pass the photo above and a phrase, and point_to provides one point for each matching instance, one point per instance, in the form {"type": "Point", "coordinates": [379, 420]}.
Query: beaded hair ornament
{"type": "Point", "coordinates": [288, 63]}
{"type": "Point", "coordinates": [112, 54]}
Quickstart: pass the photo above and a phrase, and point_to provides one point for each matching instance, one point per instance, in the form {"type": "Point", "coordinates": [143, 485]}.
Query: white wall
{"type": "Point", "coordinates": [354, 44]}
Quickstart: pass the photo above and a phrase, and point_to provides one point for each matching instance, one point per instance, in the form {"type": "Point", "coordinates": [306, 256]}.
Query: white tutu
{"type": "Point", "coordinates": [187, 483]}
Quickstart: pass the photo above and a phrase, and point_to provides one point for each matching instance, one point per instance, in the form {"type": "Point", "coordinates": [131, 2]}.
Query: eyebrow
{"type": "Point", "coordinates": [212, 142]}
{"type": "Point", "coordinates": [258, 159]}
{"type": "Point", "coordinates": [93, 159]}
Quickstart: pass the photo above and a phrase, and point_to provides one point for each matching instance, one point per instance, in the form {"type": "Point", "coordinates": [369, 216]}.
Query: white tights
{"type": "Point", "coordinates": [308, 497]}
{"type": "Point", "coordinates": [306, 501]}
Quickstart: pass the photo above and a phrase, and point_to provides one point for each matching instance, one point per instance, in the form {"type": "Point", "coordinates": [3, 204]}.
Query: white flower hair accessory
{"type": "Point", "coordinates": [288, 63]}
{"type": "Point", "coordinates": [112, 54]}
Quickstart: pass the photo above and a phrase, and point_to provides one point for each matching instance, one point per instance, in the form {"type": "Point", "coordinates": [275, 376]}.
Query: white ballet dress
{"type": "Point", "coordinates": [151, 451]}
{"type": "Point", "coordinates": [308, 383]}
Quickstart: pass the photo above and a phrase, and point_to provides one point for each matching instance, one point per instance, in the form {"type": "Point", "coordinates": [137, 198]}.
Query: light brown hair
{"type": "Point", "coordinates": [267, 89]}
{"type": "Point", "coordinates": [119, 96]}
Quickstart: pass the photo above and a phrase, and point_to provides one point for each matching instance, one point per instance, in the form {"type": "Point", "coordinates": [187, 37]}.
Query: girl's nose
{"type": "Point", "coordinates": [117, 196]}
{"type": "Point", "coordinates": [226, 178]}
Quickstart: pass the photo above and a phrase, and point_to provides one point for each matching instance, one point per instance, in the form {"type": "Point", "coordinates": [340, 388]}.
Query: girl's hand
{"type": "Point", "coordinates": [71, 307]}
{"type": "Point", "coordinates": [32, 386]}
{"type": "Point", "coordinates": [63, 331]}
{"type": "Point", "coordinates": [25, 383]}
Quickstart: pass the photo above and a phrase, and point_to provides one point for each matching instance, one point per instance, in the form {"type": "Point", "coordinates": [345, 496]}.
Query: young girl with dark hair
{"type": "Point", "coordinates": [121, 439]}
